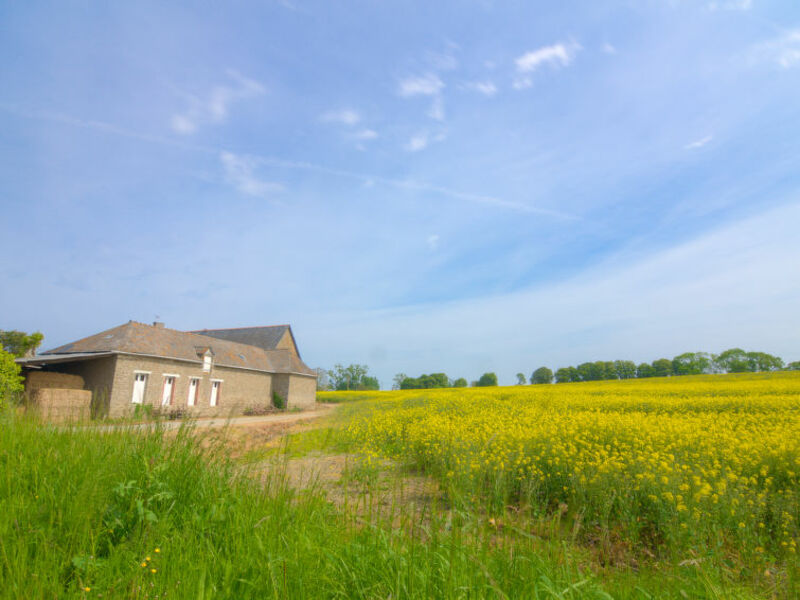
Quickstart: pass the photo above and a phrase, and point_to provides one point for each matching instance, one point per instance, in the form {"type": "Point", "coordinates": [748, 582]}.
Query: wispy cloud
{"type": "Point", "coordinates": [730, 5]}
{"type": "Point", "coordinates": [555, 56]}
{"type": "Point", "coordinates": [423, 85]}
{"type": "Point", "coordinates": [345, 116]}
{"type": "Point", "coordinates": [422, 140]}
{"type": "Point", "coordinates": [366, 134]}
{"type": "Point", "coordinates": [487, 88]}
{"type": "Point", "coordinates": [433, 242]}
{"type": "Point", "coordinates": [698, 143]}
{"type": "Point", "coordinates": [608, 48]}
{"type": "Point", "coordinates": [240, 172]}
{"type": "Point", "coordinates": [240, 169]}
{"type": "Point", "coordinates": [214, 107]}
{"type": "Point", "coordinates": [784, 50]}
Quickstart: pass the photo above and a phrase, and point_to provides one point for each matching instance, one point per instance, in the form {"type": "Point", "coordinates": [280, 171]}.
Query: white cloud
{"type": "Point", "coordinates": [425, 85]}
{"type": "Point", "coordinates": [239, 172]}
{"type": "Point", "coordinates": [366, 134]}
{"type": "Point", "coordinates": [215, 107]}
{"type": "Point", "coordinates": [730, 5]}
{"type": "Point", "coordinates": [487, 88]}
{"type": "Point", "coordinates": [555, 56]}
{"type": "Point", "coordinates": [608, 48]}
{"type": "Point", "coordinates": [783, 50]}
{"type": "Point", "coordinates": [344, 116]}
{"type": "Point", "coordinates": [433, 242]}
{"type": "Point", "coordinates": [698, 143]}
{"type": "Point", "coordinates": [417, 142]}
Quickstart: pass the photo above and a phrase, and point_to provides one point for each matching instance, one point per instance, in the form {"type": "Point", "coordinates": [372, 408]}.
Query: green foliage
{"type": "Point", "coordinates": [10, 378]}
{"type": "Point", "coordinates": [625, 369]}
{"type": "Point", "coordinates": [278, 401]}
{"type": "Point", "coordinates": [662, 367]}
{"type": "Point", "coordinates": [542, 375]}
{"type": "Point", "coordinates": [644, 370]}
{"type": "Point", "coordinates": [521, 379]}
{"type": "Point", "coordinates": [434, 380]}
{"type": "Point", "coordinates": [20, 343]}
{"type": "Point", "coordinates": [487, 380]}
{"type": "Point", "coordinates": [460, 382]}
{"type": "Point", "coordinates": [567, 375]}
{"type": "Point", "coordinates": [352, 377]}
{"type": "Point", "coordinates": [692, 363]}
{"type": "Point", "coordinates": [793, 366]}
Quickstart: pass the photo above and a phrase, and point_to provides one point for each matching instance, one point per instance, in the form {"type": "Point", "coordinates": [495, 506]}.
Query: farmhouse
{"type": "Point", "coordinates": [202, 373]}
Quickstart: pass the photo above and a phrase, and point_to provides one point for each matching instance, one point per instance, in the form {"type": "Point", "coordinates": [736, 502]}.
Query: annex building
{"type": "Point", "coordinates": [201, 373]}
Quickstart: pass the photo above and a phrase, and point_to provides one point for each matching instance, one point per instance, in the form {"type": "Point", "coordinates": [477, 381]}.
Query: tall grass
{"type": "Point", "coordinates": [154, 514]}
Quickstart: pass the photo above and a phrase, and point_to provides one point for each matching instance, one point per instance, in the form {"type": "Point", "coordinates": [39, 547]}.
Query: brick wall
{"type": "Point", "coordinates": [239, 388]}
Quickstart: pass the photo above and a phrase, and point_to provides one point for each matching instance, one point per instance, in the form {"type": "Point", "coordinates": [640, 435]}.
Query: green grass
{"type": "Point", "coordinates": [91, 513]}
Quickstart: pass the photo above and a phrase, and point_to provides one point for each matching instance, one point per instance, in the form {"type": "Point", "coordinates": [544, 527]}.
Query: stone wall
{"type": "Point", "coordinates": [298, 390]}
{"type": "Point", "coordinates": [239, 388]}
{"type": "Point", "coordinates": [36, 380]}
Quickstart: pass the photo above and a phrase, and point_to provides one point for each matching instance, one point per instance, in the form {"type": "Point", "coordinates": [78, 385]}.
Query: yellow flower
{"type": "Point", "coordinates": [87, 589]}
{"type": "Point", "coordinates": [157, 551]}
{"type": "Point", "coordinates": [153, 570]}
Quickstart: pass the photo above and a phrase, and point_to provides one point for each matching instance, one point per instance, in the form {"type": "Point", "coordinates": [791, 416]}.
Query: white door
{"type": "Point", "coordinates": [192, 392]}
{"type": "Point", "coordinates": [169, 383]}
{"type": "Point", "coordinates": [214, 392]}
{"type": "Point", "coordinates": [139, 383]}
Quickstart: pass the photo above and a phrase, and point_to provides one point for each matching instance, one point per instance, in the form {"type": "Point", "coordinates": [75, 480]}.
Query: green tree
{"type": "Point", "coordinates": [691, 363]}
{"type": "Point", "coordinates": [567, 375]}
{"type": "Point", "coordinates": [793, 366]}
{"type": "Point", "coordinates": [591, 371]}
{"type": "Point", "coordinates": [487, 380]}
{"type": "Point", "coordinates": [542, 375]}
{"type": "Point", "coordinates": [733, 360]}
{"type": "Point", "coordinates": [350, 377]}
{"type": "Point", "coordinates": [645, 370]}
{"type": "Point", "coordinates": [662, 367]}
{"type": "Point", "coordinates": [460, 382]}
{"type": "Point", "coordinates": [20, 343]}
{"type": "Point", "coordinates": [761, 361]}
{"type": "Point", "coordinates": [625, 369]}
{"type": "Point", "coordinates": [398, 379]}
{"type": "Point", "coordinates": [10, 379]}
{"type": "Point", "coordinates": [369, 383]}
{"type": "Point", "coordinates": [521, 379]}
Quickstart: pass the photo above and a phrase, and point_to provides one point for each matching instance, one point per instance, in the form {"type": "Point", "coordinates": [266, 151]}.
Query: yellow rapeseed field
{"type": "Point", "coordinates": [685, 462]}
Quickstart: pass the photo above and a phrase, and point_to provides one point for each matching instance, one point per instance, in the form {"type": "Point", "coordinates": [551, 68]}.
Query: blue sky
{"type": "Point", "coordinates": [437, 186]}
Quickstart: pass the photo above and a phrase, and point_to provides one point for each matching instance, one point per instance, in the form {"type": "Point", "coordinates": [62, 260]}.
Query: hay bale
{"type": "Point", "coordinates": [37, 380]}
{"type": "Point", "coordinates": [61, 405]}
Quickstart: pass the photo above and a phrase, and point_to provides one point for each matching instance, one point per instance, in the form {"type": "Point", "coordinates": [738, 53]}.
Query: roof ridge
{"type": "Point", "coordinates": [235, 328]}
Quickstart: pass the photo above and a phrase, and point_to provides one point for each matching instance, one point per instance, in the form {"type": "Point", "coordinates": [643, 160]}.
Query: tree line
{"type": "Point", "coordinates": [733, 360]}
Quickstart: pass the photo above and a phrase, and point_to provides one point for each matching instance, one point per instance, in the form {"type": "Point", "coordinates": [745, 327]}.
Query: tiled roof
{"type": "Point", "coordinates": [138, 338]}
{"type": "Point", "coordinates": [263, 337]}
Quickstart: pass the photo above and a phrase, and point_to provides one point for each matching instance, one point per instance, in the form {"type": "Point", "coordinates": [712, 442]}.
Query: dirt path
{"type": "Point", "coordinates": [263, 420]}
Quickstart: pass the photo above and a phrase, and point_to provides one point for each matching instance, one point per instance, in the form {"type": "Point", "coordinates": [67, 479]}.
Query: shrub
{"type": "Point", "coordinates": [10, 379]}
{"type": "Point", "coordinates": [278, 401]}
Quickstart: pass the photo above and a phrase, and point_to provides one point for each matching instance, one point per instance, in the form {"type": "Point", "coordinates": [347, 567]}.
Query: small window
{"type": "Point", "coordinates": [215, 387]}
{"type": "Point", "coordinates": [206, 362]}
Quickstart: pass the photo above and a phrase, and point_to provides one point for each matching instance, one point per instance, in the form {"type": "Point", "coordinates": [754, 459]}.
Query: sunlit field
{"type": "Point", "coordinates": [683, 468]}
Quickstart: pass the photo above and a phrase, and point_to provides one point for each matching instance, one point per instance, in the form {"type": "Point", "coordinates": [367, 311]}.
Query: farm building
{"type": "Point", "coordinates": [201, 373]}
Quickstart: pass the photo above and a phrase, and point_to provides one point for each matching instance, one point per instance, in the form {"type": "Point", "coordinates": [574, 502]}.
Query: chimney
{"type": "Point", "coordinates": [158, 324]}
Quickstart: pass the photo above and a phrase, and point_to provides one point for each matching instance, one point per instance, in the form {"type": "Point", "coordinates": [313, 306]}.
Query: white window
{"type": "Point", "coordinates": [169, 390]}
{"type": "Point", "coordinates": [215, 385]}
{"type": "Point", "coordinates": [207, 362]}
{"type": "Point", "coordinates": [139, 385]}
{"type": "Point", "coordinates": [194, 384]}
